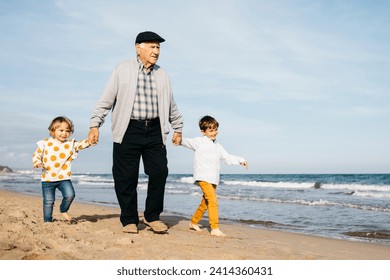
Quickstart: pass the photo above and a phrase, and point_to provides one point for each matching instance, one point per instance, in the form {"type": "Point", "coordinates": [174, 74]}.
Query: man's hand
{"type": "Point", "coordinates": [176, 138]}
{"type": "Point", "coordinates": [93, 136]}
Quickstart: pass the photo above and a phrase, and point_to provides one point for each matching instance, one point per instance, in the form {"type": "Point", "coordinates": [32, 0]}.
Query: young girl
{"type": "Point", "coordinates": [208, 154]}
{"type": "Point", "coordinates": [54, 155]}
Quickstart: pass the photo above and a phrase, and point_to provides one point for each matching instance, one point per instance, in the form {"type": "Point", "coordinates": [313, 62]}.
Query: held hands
{"type": "Point", "coordinates": [39, 165]}
{"type": "Point", "coordinates": [176, 138]}
{"type": "Point", "coordinates": [93, 136]}
{"type": "Point", "coordinates": [244, 163]}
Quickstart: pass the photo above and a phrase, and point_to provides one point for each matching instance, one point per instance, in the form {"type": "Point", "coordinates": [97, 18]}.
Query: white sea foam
{"type": "Point", "coordinates": [171, 191]}
{"type": "Point", "coordinates": [186, 180]}
{"type": "Point", "coordinates": [27, 171]}
{"type": "Point", "coordinates": [372, 194]}
{"type": "Point", "coordinates": [97, 183]}
{"type": "Point", "coordinates": [288, 185]}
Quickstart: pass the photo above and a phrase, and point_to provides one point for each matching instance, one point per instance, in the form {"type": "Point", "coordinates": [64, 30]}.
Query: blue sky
{"type": "Point", "coordinates": [297, 86]}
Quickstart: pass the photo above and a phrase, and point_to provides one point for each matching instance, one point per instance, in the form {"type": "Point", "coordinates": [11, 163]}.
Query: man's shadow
{"type": "Point", "coordinates": [95, 218]}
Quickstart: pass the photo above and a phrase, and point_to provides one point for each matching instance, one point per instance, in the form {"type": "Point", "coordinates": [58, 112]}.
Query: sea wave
{"type": "Point", "coordinates": [289, 185]}
{"type": "Point", "coordinates": [320, 202]}
{"type": "Point", "coordinates": [357, 187]}
{"type": "Point", "coordinates": [372, 194]}
{"type": "Point", "coordinates": [97, 183]}
{"type": "Point", "coordinates": [310, 185]}
{"type": "Point", "coordinates": [185, 180]}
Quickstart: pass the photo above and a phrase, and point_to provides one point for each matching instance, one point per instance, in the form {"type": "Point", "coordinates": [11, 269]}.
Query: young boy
{"type": "Point", "coordinates": [208, 154]}
{"type": "Point", "coordinates": [54, 156]}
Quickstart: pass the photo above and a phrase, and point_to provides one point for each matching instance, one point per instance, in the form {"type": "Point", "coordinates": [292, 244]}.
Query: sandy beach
{"type": "Point", "coordinates": [97, 235]}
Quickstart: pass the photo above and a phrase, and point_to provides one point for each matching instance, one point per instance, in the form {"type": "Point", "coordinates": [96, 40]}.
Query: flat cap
{"type": "Point", "coordinates": [148, 36]}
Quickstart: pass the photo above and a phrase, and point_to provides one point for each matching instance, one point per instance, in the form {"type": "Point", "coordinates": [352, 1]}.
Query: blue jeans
{"type": "Point", "coordinates": [48, 193]}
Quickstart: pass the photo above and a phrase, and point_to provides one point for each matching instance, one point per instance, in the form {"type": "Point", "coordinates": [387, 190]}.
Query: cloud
{"type": "Point", "coordinates": [3, 149]}
{"type": "Point", "coordinates": [14, 159]}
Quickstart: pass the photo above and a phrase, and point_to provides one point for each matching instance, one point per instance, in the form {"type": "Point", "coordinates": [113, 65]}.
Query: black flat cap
{"type": "Point", "coordinates": [148, 36]}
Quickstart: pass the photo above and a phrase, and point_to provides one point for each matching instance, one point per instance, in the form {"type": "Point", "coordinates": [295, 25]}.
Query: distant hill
{"type": "Point", "coordinates": [5, 169]}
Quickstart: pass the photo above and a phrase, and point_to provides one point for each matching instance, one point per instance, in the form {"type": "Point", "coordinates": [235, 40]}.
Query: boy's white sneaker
{"type": "Point", "coordinates": [195, 227]}
{"type": "Point", "coordinates": [217, 232]}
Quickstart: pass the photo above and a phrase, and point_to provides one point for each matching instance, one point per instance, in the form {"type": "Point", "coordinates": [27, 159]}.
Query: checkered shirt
{"type": "Point", "coordinates": [146, 102]}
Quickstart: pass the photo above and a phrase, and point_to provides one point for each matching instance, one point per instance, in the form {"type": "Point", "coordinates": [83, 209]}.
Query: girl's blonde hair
{"type": "Point", "coordinates": [56, 123]}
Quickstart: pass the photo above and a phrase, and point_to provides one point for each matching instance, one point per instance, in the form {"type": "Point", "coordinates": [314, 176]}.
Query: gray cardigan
{"type": "Point", "coordinates": [119, 96]}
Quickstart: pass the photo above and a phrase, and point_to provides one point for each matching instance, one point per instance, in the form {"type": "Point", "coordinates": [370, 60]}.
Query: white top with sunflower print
{"type": "Point", "coordinates": [56, 157]}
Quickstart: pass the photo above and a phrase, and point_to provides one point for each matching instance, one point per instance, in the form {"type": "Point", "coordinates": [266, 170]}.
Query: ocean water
{"type": "Point", "coordinates": [341, 206]}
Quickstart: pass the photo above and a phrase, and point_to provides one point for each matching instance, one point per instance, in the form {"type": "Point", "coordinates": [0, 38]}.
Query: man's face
{"type": "Point", "coordinates": [148, 53]}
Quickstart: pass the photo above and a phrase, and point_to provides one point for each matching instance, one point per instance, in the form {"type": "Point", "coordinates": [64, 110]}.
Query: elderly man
{"type": "Point", "coordinates": [140, 96]}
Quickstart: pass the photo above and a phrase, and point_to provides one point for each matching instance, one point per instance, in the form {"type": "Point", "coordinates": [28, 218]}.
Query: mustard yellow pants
{"type": "Point", "coordinates": [209, 202]}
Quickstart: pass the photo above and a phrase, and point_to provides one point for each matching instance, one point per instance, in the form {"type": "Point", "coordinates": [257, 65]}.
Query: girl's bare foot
{"type": "Point", "coordinates": [67, 216]}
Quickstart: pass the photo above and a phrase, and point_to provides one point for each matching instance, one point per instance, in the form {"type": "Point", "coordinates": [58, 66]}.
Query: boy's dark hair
{"type": "Point", "coordinates": [208, 122]}
{"type": "Point", "coordinates": [56, 123]}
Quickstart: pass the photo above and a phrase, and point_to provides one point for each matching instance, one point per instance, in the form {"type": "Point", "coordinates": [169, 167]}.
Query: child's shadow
{"type": "Point", "coordinates": [94, 218]}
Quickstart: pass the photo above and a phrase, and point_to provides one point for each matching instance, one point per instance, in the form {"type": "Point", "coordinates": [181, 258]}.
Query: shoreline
{"type": "Point", "coordinates": [97, 235]}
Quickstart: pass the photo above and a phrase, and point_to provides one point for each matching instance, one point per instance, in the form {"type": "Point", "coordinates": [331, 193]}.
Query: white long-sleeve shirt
{"type": "Point", "coordinates": [208, 155]}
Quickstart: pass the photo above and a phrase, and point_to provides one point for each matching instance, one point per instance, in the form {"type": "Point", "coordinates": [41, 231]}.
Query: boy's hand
{"type": "Point", "coordinates": [244, 163]}
{"type": "Point", "coordinates": [176, 138]}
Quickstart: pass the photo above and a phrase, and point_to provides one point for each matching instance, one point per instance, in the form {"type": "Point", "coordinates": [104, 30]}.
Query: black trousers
{"type": "Point", "coordinates": [142, 139]}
